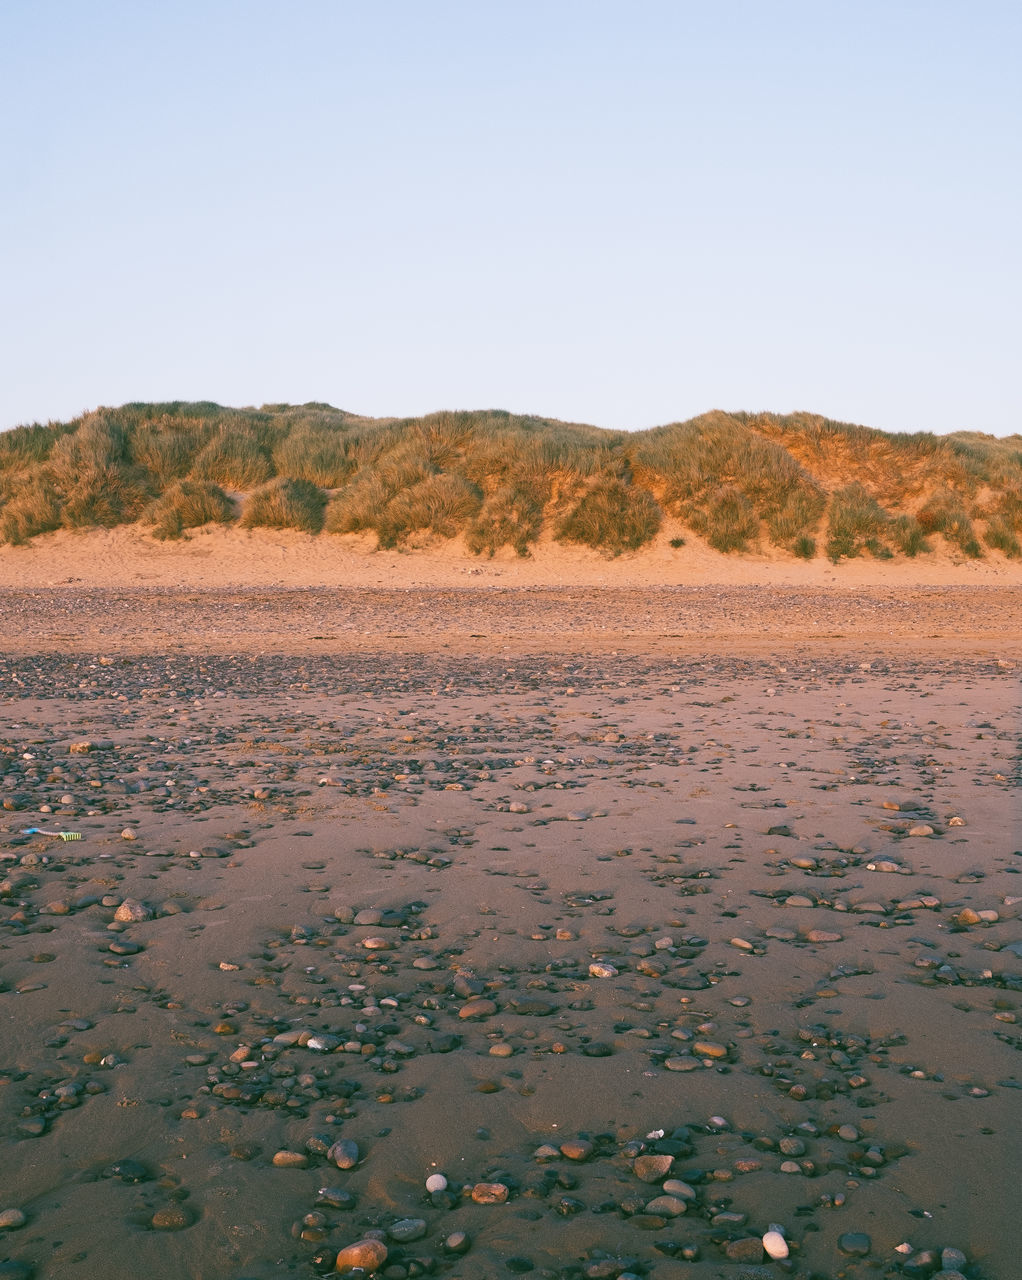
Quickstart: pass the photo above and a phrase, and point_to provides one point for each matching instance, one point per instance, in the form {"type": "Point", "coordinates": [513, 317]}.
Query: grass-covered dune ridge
{"type": "Point", "coordinates": [741, 481]}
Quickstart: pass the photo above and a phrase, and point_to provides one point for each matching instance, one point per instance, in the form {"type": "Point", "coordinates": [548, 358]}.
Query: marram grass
{"type": "Point", "coordinates": [800, 484]}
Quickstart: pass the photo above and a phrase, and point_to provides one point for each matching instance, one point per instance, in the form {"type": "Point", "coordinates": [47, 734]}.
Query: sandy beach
{"type": "Point", "coordinates": [673, 921]}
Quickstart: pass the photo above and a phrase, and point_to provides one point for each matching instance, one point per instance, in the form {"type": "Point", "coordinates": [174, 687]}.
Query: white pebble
{"type": "Point", "coordinates": [11, 1218]}
{"type": "Point", "coordinates": [775, 1244]}
{"type": "Point", "coordinates": [436, 1182]}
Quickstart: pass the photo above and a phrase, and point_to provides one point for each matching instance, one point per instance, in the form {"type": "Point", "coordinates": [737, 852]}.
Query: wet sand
{"type": "Point", "coordinates": [670, 914]}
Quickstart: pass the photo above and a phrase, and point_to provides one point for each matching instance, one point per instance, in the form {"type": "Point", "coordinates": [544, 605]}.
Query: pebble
{"type": "Point", "coordinates": [775, 1244]}
{"type": "Point", "coordinates": [11, 1219]}
{"type": "Point", "coordinates": [854, 1243]}
{"type": "Point", "coordinates": [406, 1230]}
{"type": "Point", "coordinates": [490, 1193]}
{"type": "Point", "coordinates": [666, 1206]}
{"type": "Point", "coordinates": [578, 1149]}
{"type": "Point", "coordinates": [436, 1182]}
{"type": "Point", "coordinates": [173, 1218]}
{"type": "Point", "coordinates": [652, 1168]}
{"type": "Point", "coordinates": [290, 1160]}
{"type": "Point", "coordinates": [747, 1249]}
{"type": "Point", "coordinates": [457, 1242]}
{"type": "Point", "coordinates": [344, 1153]}
{"type": "Point", "coordinates": [131, 911]}
{"type": "Point", "coordinates": [709, 1049]}
{"type": "Point", "coordinates": [363, 1255]}
{"type": "Point", "coordinates": [478, 1008]}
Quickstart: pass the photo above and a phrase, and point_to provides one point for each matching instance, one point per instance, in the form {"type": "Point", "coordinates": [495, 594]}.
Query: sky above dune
{"type": "Point", "coordinates": [617, 213]}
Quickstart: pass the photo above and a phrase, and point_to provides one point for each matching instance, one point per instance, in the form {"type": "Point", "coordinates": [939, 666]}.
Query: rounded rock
{"type": "Point", "coordinates": [457, 1242]}
{"type": "Point", "coordinates": [363, 1255]}
{"type": "Point", "coordinates": [344, 1153]}
{"type": "Point", "coordinates": [775, 1244]}
{"type": "Point", "coordinates": [666, 1206]}
{"type": "Point", "coordinates": [490, 1193]}
{"type": "Point", "coordinates": [11, 1219]}
{"type": "Point", "coordinates": [855, 1243]}
{"type": "Point", "coordinates": [290, 1160]}
{"type": "Point", "coordinates": [132, 911]}
{"type": "Point", "coordinates": [173, 1218]}
{"type": "Point", "coordinates": [652, 1168]}
{"type": "Point", "coordinates": [407, 1229]}
{"type": "Point", "coordinates": [576, 1149]}
{"type": "Point", "coordinates": [477, 1008]}
{"type": "Point", "coordinates": [436, 1182]}
{"type": "Point", "coordinates": [748, 1249]}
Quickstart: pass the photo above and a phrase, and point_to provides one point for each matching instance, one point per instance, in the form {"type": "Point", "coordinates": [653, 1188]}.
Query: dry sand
{"type": "Point", "coordinates": [734, 860]}
{"type": "Point", "coordinates": [217, 558]}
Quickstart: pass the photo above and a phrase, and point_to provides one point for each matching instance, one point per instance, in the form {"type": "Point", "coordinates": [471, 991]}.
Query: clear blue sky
{"type": "Point", "coordinates": [620, 213]}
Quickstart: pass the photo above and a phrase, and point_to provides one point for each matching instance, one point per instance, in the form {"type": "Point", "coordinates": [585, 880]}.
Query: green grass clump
{"type": "Point", "coordinates": [234, 459]}
{"type": "Point", "coordinates": [792, 516]}
{"type": "Point", "coordinates": [95, 479]}
{"type": "Point", "coordinates": [723, 476]}
{"type": "Point", "coordinates": [358, 506]}
{"type": "Point", "coordinates": [728, 521]}
{"type": "Point", "coordinates": [439, 504]}
{"type": "Point", "coordinates": [805, 548]}
{"type": "Point", "coordinates": [909, 535]}
{"type": "Point", "coordinates": [188, 504]}
{"type": "Point", "coordinates": [285, 503]}
{"type": "Point", "coordinates": [857, 523]}
{"type": "Point", "coordinates": [1001, 535]}
{"type": "Point", "coordinates": [167, 447]}
{"type": "Point", "coordinates": [944, 513]}
{"type": "Point", "coordinates": [512, 516]}
{"type": "Point", "coordinates": [317, 453]}
{"type": "Point", "coordinates": [612, 516]}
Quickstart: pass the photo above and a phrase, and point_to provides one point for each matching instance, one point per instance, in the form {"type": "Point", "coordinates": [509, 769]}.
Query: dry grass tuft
{"type": "Point", "coordinates": [945, 514]}
{"type": "Point", "coordinates": [284, 503]}
{"type": "Point", "coordinates": [317, 453]}
{"type": "Point", "coordinates": [439, 504]}
{"type": "Point", "coordinates": [234, 459]}
{"type": "Point", "coordinates": [188, 504]}
{"type": "Point", "coordinates": [612, 516]}
{"type": "Point", "coordinates": [33, 509]}
{"type": "Point", "coordinates": [857, 523]}
{"type": "Point", "coordinates": [512, 516]}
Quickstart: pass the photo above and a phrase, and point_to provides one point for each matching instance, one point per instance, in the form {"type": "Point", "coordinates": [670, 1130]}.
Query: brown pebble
{"type": "Point", "coordinates": [490, 1193]}
{"type": "Point", "coordinates": [652, 1168]}
{"type": "Point", "coordinates": [478, 1008]}
{"type": "Point", "coordinates": [576, 1149]}
{"type": "Point", "coordinates": [174, 1218]}
{"type": "Point", "coordinates": [363, 1255]}
{"type": "Point", "coordinates": [290, 1160]}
